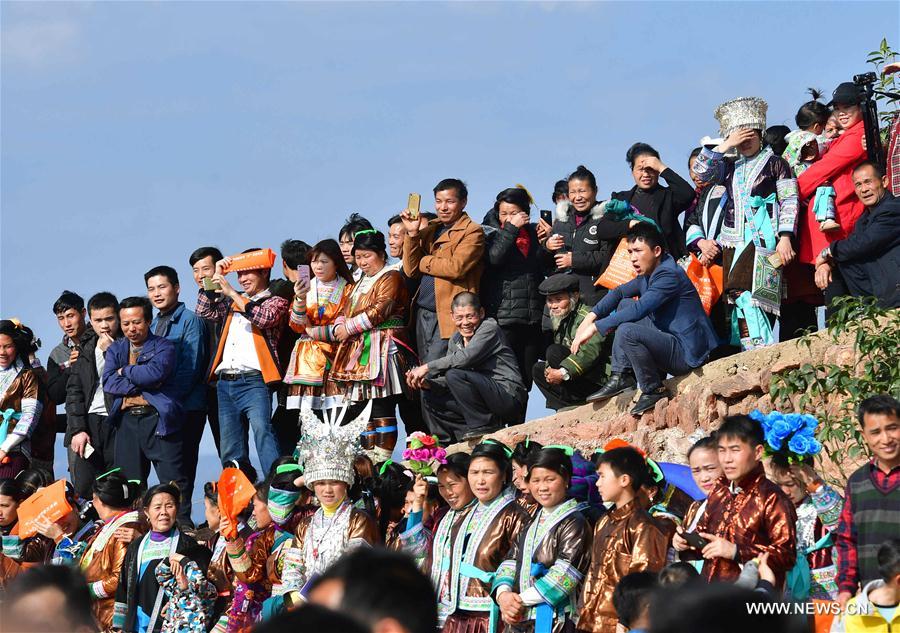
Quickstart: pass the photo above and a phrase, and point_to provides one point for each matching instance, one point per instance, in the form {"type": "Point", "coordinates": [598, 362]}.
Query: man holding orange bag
{"type": "Point", "coordinates": [664, 331]}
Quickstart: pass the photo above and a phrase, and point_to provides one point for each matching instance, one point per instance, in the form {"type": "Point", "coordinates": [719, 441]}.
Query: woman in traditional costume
{"type": "Point", "coordinates": [481, 540]}
{"type": "Point", "coordinates": [220, 573]}
{"type": "Point", "coordinates": [17, 553]}
{"type": "Point", "coordinates": [273, 505]}
{"type": "Point", "coordinates": [760, 218]}
{"type": "Point", "coordinates": [537, 585]}
{"type": "Point", "coordinates": [140, 601]}
{"type": "Point", "coordinates": [522, 451]}
{"type": "Point", "coordinates": [20, 403]}
{"type": "Point", "coordinates": [326, 453]}
{"type": "Point", "coordinates": [432, 544]}
{"type": "Point", "coordinates": [370, 362]}
{"type": "Point", "coordinates": [316, 306]}
{"type": "Point", "coordinates": [94, 548]}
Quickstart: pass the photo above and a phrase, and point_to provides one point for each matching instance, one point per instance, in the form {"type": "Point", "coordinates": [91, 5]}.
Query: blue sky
{"type": "Point", "coordinates": [134, 132]}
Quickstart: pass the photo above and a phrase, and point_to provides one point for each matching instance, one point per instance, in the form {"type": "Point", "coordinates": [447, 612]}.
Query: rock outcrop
{"type": "Point", "coordinates": [701, 399]}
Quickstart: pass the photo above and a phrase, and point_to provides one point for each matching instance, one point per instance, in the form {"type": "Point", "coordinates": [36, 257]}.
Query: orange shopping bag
{"type": "Point", "coordinates": [235, 492]}
{"type": "Point", "coordinates": [707, 280]}
{"type": "Point", "coordinates": [254, 260]}
{"type": "Point", "coordinates": [620, 270]}
{"type": "Point", "coordinates": [47, 504]}
{"type": "Point", "coordinates": [825, 612]}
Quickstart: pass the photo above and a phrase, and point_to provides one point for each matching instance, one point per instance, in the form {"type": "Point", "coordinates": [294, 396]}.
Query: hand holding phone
{"type": "Point", "coordinates": [210, 285]}
{"type": "Point", "coordinates": [413, 204]}
{"type": "Point", "coordinates": [303, 273]}
{"type": "Point", "coordinates": [547, 216]}
{"type": "Point", "coordinates": [694, 540]}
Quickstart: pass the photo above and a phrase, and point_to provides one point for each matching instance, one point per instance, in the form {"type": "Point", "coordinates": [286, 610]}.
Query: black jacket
{"type": "Point", "coordinates": [592, 245]}
{"type": "Point", "coordinates": [869, 258]}
{"type": "Point", "coordinates": [509, 283]}
{"type": "Point", "coordinates": [127, 591]}
{"type": "Point", "coordinates": [81, 385]}
{"type": "Point", "coordinates": [58, 368]}
{"type": "Point", "coordinates": [666, 203]}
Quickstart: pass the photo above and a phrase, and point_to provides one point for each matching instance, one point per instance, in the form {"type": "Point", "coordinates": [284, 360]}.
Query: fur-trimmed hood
{"type": "Point", "coordinates": [564, 208]}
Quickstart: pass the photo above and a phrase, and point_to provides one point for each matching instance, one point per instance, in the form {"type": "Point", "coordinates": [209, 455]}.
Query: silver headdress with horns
{"type": "Point", "coordinates": [744, 112]}
{"type": "Point", "coordinates": [326, 449]}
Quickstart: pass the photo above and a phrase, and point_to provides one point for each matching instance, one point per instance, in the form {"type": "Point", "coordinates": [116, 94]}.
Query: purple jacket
{"type": "Point", "coordinates": [153, 377]}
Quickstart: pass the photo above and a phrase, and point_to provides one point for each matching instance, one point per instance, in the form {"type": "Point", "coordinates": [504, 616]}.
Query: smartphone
{"type": "Point", "coordinates": [694, 540]}
{"type": "Point", "coordinates": [88, 451]}
{"type": "Point", "coordinates": [210, 285]}
{"type": "Point", "coordinates": [414, 203]}
{"type": "Point", "coordinates": [547, 216]}
{"type": "Point", "coordinates": [303, 272]}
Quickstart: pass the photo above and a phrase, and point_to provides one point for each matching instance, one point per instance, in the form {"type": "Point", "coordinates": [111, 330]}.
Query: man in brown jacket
{"type": "Point", "coordinates": [447, 257]}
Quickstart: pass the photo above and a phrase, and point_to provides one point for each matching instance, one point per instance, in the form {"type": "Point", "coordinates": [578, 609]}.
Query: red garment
{"type": "Point", "coordinates": [893, 156]}
{"type": "Point", "coordinates": [523, 242]}
{"type": "Point", "coordinates": [835, 166]}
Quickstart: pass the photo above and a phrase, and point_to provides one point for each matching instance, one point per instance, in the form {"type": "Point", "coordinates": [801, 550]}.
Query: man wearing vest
{"type": "Point", "coordinates": [246, 361]}
{"type": "Point", "coordinates": [871, 511]}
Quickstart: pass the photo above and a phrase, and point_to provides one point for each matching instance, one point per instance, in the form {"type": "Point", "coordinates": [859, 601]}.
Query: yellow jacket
{"type": "Point", "coordinates": [863, 617]}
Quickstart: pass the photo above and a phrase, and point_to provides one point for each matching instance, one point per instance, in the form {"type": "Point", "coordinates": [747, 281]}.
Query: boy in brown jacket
{"type": "Point", "coordinates": [626, 539]}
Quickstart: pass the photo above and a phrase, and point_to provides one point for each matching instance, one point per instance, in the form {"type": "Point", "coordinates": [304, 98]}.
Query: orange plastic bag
{"type": "Point", "coordinates": [707, 280]}
{"type": "Point", "coordinates": [235, 492]}
{"type": "Point", "coordinates": [825, 613]}
{"type": "Point", "coordinates": [254, 260]}
{"type": "Point", "coordinates": [47, 504]}
{"type": "Point", "coordinates": [620, 270]}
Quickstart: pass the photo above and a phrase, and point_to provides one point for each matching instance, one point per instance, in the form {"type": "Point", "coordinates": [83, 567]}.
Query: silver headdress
{"type": "Point", "coordinates": [326, 450]}
{"type": "Point", "coordinates": [744, 112]}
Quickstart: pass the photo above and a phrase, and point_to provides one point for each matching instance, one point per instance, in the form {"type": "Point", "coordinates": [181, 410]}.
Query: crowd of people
{"type": "Point", "coordinates": [444, 325]}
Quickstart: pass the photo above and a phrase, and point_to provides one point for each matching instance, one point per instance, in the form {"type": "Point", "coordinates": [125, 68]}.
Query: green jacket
{"type": "Point", "coordinates": [593, 358]}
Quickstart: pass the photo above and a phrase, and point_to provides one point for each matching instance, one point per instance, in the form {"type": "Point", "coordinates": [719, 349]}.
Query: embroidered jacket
{"type": "Point", "coordinates": [547, 564]}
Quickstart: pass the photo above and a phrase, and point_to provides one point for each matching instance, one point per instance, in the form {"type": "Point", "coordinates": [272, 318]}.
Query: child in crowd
{"type": "Point", "coordinates": [877, 608]}
{"type": "Point", "coordinates": [818, 508]}
{"type": "Point", "coordinates": [626, 539]}
{"type": "Point", "coordinates": [749, 515]}
{"type": "Point", "coordinates": [703, 458]}
{"type": "Point", "coordinates": [632, 600]}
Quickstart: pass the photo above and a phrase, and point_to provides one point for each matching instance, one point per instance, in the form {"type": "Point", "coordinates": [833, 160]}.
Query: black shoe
{"type": "Point", "coordinates": [649, 399]}
{"type": "Point", "coordinates": [481, 431]}
{"type": "Point", "coordinates": [617, 383]}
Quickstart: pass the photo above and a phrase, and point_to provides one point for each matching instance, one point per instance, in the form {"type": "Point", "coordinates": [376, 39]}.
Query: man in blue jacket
{"type": "Point", "coordinates": [188, 332]}
{"type": "Point", "coordinates": [664, 331]}
{"type": "Point", "coordinates": [140, 376]}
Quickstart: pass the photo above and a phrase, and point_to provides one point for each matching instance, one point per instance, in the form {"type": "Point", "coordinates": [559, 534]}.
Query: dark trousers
{"type": "Point", "coordinates": [212, 413]}
{"type": "Point", "coordinates": [568, 393]}
{"type": "Point", "coordinates": [429, 346]}
{"type": "Point", "coordinates": [138, 446]}
{"type": "Point", "coordinates": [286, 426]}
{"type": "Point", "coordinates": [470, 401]}
{"type": "Point", "coordinates": [191, 434]}
{"type": "Point", "coordinates": [410, 410]}
{"type": "Point", "coordinates": [525, 342]}
{"type": "Point", "coordinates": [85, 471]}
{"type": "Point", "coordinates": [648, 352]}
{"type": "Point", "coordinates": [837, 288]}
{"type": "Point", "coordinates": [795, 318]}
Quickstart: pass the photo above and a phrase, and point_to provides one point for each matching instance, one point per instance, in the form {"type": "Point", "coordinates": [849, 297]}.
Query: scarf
{"type": "Point", "coordinates": [523, 242]}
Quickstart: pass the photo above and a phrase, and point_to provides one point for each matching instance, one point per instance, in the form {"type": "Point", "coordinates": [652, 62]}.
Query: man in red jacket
{"type": "Point", "coordinates": [836, 166]}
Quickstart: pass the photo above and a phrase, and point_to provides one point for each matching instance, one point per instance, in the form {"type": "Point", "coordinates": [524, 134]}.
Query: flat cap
{"type": "Point", "coordinates": [560, 282]}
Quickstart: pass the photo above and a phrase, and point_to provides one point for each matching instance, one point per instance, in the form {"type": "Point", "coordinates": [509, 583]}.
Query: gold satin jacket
{"type": "Point", "coordinates": [103, 571]}
{"type": "Point", "coordinates": [758, 517]}
{"type": "Point", "coordinates": [625, 540]}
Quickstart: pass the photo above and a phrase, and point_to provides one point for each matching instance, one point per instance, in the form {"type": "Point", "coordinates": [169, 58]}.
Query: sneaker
{"type": "Point", "coordinates": [649, 399]}
{"type": "Point", "coordinates": [829, 225]}
{"type": "Point", "coordinates": [617, 383]}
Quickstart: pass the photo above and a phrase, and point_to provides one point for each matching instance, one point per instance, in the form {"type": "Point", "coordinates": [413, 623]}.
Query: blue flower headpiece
{"type": "Point", "coordinates": [792, 435]}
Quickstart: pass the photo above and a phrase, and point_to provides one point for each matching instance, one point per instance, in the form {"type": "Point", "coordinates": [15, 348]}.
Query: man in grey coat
{"type": "Point", "coordinates": [476, 387]}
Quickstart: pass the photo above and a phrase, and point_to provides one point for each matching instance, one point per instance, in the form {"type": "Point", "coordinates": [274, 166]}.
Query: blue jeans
{"type": "Point", "coordinates": [247, 398]}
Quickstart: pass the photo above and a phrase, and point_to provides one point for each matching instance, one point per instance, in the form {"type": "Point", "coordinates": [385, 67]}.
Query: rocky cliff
{"type": "Point", "coordinates": [700, 401]}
